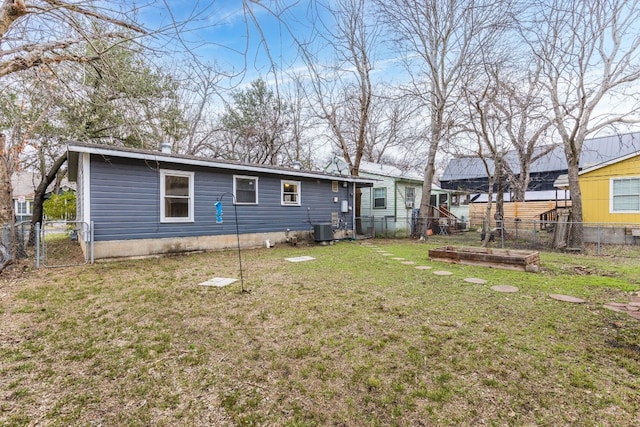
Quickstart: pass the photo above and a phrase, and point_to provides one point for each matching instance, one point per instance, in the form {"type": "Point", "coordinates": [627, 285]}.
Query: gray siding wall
{"type": "Point", "coordinates": [125, 202]}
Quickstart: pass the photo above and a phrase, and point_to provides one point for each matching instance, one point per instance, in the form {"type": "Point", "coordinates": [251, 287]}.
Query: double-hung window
{"type": "Point", "coordinates": [23, 207]}
{"type": "Point", "coordinates": [379, 198]}
{"type": "Point", "coordinates": [625, 195]}
{"type": "Point", "coordinates": [245, 189]}
{"type": "Point", "coordinates": [176, 196]}
{"type": "Point", "coordinates": [290, 195]}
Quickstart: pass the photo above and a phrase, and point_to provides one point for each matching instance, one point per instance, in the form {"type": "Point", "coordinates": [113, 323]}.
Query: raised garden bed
{"type": "Point", "coordinates": [497, 258]}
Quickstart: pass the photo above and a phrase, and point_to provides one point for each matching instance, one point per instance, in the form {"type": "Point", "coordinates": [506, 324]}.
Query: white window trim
{"type": "Point", "coordinates": [168, 172]}
{"type": "Point", "coordinates": [373, 198]}
{"type": "Point", "coordinates": [28, 205]}
{"type": "Point", "coordinates": [611, 181]}
{"type": "Point", "coordinates": [254, 178]}
{"type": "Point", "coordinates": [299, 194]}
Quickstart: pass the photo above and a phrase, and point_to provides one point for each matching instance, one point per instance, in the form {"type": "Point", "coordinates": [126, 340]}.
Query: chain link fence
{"type": "Point", "coordinates": [606, 239]}
{"type": "Point", "coordinates": [15, 243]}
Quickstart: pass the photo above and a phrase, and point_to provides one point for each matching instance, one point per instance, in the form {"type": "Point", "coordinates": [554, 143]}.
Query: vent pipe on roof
{"type": "Point", "coordinates": [297, 165]}
{"type": "Point", "coordinates": [165, 147]}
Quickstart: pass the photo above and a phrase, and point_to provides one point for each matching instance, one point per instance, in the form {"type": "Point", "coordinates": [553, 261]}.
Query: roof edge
{"type": "Point", "coordinates": [75, 148]}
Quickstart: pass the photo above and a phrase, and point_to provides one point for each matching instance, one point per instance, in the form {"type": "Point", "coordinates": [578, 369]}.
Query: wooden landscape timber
{"type": "Point", "coordinates": [507, 259]}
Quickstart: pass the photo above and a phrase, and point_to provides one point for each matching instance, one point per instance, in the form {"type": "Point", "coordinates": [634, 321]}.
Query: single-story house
{"type": "Point", "coordinates": [142, 202]}
{"type": "Point", "coordinates": [387, 207]}
{"type": "Point", "coordinates": [542, 196]}
{"type": "Point", "coordinates": [469, 173]}
{"type": "Point", "coordinates": [23, 187]}
{"type": "Point", "coordinates": [611, 191]}
{"type": "Point", "coordinates": [610, 199]}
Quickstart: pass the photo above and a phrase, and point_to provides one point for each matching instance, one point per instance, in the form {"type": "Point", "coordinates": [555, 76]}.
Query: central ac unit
{"type": "Point", "coordinates": [322, 232]}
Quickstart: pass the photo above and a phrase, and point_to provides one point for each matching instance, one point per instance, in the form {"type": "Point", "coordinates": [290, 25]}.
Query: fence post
{"type": "Point", "coordinates": [91, 243]}
{"type": "Point", "coordinates": [37, 231]}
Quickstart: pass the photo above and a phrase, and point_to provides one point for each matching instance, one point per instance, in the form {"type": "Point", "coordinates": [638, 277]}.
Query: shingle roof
{"type": "Point", "coordinates": [24, 183]}
{"type": "Point", "coordinates": [74, 148]}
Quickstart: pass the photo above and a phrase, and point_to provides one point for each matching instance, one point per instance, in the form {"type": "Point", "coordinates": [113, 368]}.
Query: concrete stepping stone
{"type": "Point", "coordinates": [567, 298]}
{"type": "Point", "coordinates": [423, 267]}
{"type": "Point", "coordinates": [505, 289]}
{"type": "Point", "coordinates": [475, 280]}
{"type": "Point", "coordinates": [300, 258]}
{"type": "Point", "coordinates": [442, 273]}
{"type": "Point", "coordinates": [218, 282]}
{"type": "Point", "coordinates": [385, 254]}
{"type": "Point", "coordinates": [407, 262]}
{"type": "Point", "coordinates": [398, 258]}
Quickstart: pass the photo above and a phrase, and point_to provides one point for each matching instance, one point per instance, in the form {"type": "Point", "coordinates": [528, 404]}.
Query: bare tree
{"type": "Point", "coordinates": [41, 34]}
{"type": "Point", "coordinates": [442, 41]}
{"type": "Point", "coordinates": [487, 127]}
{"type": "Point", "coordinates": [343, 91]}
{"type": "Point", "coordinates": [393, 134]}
{"type": "Point", "coordinates": [301, 144]}
{"type": "Point", "coordinates": [588, 53]}
{"type": "Point", "coordinates": [526, 121]}
{"type": "Point", "coordinates": [47, 32]}
{"type": "Point", "coordinates": [198, 94]}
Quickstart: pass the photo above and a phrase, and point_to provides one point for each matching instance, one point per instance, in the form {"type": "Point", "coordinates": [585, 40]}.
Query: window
{"type": "Point", "coordinates": [176, 194]}
{"type": "Point", "coordinates": [410, 197]}
{"type": "Point", "coordinates": [334, 186]}
{"type": "Point", "coordinates": [625, 195]}
{"type": "Point", "coordinates": [290, 193]}
{"type": "Point", "coordinates": [379, 198]}
{"type": "Point", "coordinates": [23, 207]}
{"type": "Point", "coordinates": [245, 190]}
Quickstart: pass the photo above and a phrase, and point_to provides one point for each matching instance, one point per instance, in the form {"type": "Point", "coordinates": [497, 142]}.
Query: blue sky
{"type": "Point", "coordinates": [234, 34]}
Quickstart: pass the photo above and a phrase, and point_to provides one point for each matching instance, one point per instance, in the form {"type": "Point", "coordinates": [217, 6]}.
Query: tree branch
{"type": "Point", "coordinates": [10, 11]}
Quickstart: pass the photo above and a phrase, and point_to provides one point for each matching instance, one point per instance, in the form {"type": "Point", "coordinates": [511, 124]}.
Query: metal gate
{"type": "Point", "coordinates": [64, 244]}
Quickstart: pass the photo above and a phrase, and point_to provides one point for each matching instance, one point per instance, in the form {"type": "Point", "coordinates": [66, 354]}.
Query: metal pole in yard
{"type": "Point", "coordinates": [91, 243]}
{"type": "Point", "coordinates": [37, 231]}
{"type": "Point", "coordinates": [219, 220]}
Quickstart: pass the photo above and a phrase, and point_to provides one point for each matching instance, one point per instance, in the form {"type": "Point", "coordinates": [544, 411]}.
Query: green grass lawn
{"type": "Point", "coordinates": [351, 338]}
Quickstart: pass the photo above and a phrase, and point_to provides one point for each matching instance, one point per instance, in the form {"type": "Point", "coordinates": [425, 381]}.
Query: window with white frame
{"type": "Point", "coordinates": [176, 196]}
{"type": "Point", "coordinates": [625, 195]}
{"type": "Point", "coordinates": [23, 207]}
{"type": "Point", "coordinates": [410, 197]}
{"type": "Point", "coordinates": [290, 193]}
{"type": "Point", "coordinates": [379, 198]}
{"type": "Point", "coordinates": [245, 189]}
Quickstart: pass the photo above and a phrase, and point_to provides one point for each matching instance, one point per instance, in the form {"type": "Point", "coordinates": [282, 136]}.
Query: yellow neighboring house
{"type": "Point", "coordinates": [611, 191]}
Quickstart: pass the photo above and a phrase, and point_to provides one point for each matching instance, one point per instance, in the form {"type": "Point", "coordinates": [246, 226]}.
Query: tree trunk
{"type": "Point", "coordinates": [576, 235]}
{"type": "Point", "coordinates": [6, 199]}
{"type": "Point", "coordinates": [430, 169]}
{"type": "Point", "coordinates": [7, 217]}
{"type": "Point", "coordinates": [41, 191]}
{"type": "Point", "coordinates": [486, 223]}
{"type": "Point", "coordinates": [499, 215]}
